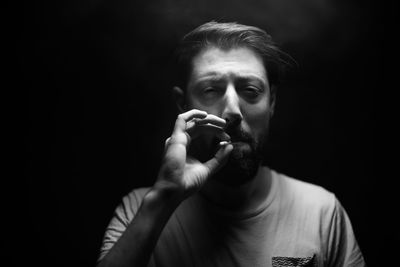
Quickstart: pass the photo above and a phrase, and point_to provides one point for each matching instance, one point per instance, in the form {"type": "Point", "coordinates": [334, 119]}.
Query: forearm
{"type": "Point", "coordinates": [137, 243]}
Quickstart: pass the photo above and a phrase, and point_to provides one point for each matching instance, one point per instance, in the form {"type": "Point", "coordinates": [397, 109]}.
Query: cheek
{"type": "Point", "coordinates": [257, 117]}
{"type": "Point", "coordinates": [194, 103]}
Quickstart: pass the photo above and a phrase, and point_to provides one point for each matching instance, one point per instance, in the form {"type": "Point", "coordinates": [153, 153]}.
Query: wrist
{"type": "Point", "coordinates": [169, 194]}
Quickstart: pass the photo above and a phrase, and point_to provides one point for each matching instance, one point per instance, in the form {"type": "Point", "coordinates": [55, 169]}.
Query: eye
{"type": "Point", "coordinates": [209, 90]}
{"type": "Point", "coordinates": [212, 91]}
{"type": "Point", "coordinates": [209, 93]}
{"type": "Point", "coordinates": [251, 91]}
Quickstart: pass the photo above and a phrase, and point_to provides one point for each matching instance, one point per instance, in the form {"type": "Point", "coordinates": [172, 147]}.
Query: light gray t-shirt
{"type": "Point", "coordinates": [298, 224]}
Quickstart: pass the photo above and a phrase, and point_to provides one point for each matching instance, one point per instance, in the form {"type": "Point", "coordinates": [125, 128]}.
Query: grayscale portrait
{"type": "Point", "coordinates": [201, 133]}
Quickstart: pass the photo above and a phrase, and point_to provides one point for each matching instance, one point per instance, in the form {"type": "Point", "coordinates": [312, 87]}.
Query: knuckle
{"type": "Point", "coordinates": [198, 111]}
{"type": "Point", "coordinates": [179, 138]}
{"type": "Point", "coordinates": [167, 141]}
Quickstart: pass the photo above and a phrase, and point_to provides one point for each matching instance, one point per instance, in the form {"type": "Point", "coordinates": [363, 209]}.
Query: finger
{"type": "Point", "coordinates": [180, 124]}
{"type": "Point", "coordinates": [179, 134]}
{"type": "Point", "coordinates": [210, 129]}
{"type": "Point", "coordinates": [220, 158]}
{"type": "Point", "coordinates": [210, 119]}
{"type": "Point", "coordinates": [167, 142]}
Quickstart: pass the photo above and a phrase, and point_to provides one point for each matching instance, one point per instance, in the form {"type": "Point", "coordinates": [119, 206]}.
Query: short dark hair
{"type": "Point", "coordinates": [227, 36]}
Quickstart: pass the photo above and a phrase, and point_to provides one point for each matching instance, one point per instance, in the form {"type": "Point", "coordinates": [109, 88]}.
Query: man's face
{"type": "Point", "coordinates": [233, 85]}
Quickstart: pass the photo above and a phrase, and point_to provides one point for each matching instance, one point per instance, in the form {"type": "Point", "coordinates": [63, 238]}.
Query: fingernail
{"type": "Point", "coordinates": [224, 143]}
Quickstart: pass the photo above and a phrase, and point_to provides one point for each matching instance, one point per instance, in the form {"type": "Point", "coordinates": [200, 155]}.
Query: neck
{"type": "Point", "coordinates": [243, 198]}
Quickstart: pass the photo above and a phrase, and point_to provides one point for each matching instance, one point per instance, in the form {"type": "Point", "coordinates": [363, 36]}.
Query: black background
{"type": "Point", "coordinates": [96, 77]}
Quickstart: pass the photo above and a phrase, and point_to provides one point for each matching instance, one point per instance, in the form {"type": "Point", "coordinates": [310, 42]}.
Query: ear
{"type": "Point", "coordinates": [179, 97]}
{"type": "Point", "coordinates": [272, 99]}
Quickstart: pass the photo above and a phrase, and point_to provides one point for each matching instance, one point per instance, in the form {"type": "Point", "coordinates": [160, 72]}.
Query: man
{"type": "Point", "coordinates": [214, 203]}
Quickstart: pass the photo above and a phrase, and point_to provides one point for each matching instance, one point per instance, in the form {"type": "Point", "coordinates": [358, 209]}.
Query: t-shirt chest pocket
{"type": "Point", "coordinates": [280, 261]}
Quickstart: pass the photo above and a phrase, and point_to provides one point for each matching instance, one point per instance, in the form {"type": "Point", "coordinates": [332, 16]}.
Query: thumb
{"type": "Point", "coordinates": [219, 159]}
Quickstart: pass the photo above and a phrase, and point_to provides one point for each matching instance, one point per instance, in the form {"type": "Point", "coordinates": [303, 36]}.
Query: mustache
{"type": "Point", "coordinates": [239, 135]}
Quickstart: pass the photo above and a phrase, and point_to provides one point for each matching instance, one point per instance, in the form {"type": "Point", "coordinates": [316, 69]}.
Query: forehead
{"type": "Point", "coordinates": [238, 62]}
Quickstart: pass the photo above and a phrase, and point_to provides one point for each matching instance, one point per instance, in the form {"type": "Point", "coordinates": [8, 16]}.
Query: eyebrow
{"type": "Point", "coordinates": [216, 77]}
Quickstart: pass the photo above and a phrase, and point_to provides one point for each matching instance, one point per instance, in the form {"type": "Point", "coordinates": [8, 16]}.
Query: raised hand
{"type": "Point", "coordinates": [181, 172]}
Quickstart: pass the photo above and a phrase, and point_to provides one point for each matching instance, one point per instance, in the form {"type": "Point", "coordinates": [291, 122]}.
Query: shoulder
{"type": "Point", "coordinates": [307, 195]}
{"type": "Point", "coordinates": [323, 213]}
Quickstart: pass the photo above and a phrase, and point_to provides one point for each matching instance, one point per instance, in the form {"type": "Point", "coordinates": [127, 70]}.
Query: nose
{"type": "Point", "coordinates": [231, 111]}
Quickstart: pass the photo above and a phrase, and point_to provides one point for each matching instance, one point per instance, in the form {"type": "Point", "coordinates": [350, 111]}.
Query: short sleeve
{"type": "Point", "coordinates": [342, 244]}
{"type": "Point", "coordinates": [123, 215]}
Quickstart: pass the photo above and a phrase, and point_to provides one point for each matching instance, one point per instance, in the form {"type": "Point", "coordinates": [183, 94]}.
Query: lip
{"type": "Point", "coordinates": [239, 143]}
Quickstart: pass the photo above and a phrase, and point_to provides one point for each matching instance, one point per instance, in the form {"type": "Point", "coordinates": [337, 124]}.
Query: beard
{"type": "Point", "coordinates": [244, 160]}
